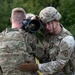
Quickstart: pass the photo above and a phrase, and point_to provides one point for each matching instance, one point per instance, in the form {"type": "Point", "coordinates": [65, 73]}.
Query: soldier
{"type": "Point", "coordinates": [15, 46]}
{"type": "Point", "coordinates": [59, 46]}
{"type": "Point", "coordinates": [30, 15]}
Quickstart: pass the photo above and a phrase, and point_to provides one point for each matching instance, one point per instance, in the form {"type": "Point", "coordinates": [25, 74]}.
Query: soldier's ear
{"type": "Point", "coordinates": [11, 20]}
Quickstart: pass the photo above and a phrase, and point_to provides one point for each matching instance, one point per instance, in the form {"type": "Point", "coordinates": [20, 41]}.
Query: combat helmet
{"type": "Point", "coordinates": [29, 15]}
{"type": "Point", "coordinates": [49, 14]}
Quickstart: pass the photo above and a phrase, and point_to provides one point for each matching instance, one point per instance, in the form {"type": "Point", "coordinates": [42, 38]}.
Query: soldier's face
{"type": "Point", "coordinates": [49, 27]}
{"type": "Point", "coordinates": [52, 27]}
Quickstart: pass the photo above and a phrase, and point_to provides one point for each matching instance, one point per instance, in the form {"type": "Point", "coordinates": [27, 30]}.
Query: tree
{"type": "Point", "coordinates": [4, 15]}
{"type": "Point", "coordinates": [67, 9]}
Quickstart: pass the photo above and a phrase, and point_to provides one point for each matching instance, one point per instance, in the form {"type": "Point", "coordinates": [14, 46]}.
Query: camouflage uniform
{"type": "Point", "coordinates": [14, 51]}
{"type": "Point", "coordinates": [60, 47]}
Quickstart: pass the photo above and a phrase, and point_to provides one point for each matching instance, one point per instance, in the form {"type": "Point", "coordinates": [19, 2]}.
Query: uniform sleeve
{"type": "Point", "coordinates": [33, 44]}
{"type": "Point", "coordinates": [33, 41]}
{"type": "Point", "coordinates": [66, 49]}
{"type": "Point", "coordinates": [30, 38]}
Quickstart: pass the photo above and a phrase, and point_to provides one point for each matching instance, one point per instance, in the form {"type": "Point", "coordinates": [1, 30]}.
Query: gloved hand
{"type": "Point", "coordinates": [28, 67]}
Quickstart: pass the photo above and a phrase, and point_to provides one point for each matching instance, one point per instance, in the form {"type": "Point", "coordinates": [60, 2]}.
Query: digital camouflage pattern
{"type": "Point", "coordinates": [29, 15]}
{"type": "Point", "coordinates": [60, 48]}
{"type": "Point", "coordinates": [48, 14]}
{"type": "Point", "coordinates": [14, 51]}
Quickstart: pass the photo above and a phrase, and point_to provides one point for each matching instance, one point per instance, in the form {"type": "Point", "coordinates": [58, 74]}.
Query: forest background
{"type": "Point", "coordinates": [65, 7]}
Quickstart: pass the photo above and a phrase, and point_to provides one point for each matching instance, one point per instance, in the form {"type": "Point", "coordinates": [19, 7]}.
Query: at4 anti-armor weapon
{"type": "Point", "coordinates": [31, 26]}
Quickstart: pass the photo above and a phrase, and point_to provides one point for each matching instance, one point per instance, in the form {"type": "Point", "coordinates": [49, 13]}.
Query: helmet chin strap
{"type": "Point", "coordinates": [54, 29]}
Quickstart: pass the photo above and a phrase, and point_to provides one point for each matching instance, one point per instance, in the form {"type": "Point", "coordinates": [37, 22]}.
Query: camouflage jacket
{"type": "Point", "coordinates": [60, 49]}
{"type": "Point", "coordinates": [14, 51]}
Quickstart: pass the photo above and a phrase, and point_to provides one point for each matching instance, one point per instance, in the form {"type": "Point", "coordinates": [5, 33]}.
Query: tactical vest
{"type": "Point", "coordinates": [13, 51]}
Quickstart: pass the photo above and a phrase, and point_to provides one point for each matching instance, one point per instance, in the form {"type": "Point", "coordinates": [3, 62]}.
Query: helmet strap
{"type": "Point", "coordinates": [54, 29]}
{"type": "Point", "coordinates": [52, 26]}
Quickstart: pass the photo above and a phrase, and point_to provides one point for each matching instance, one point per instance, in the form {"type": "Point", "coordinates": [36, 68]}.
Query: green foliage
{"type": "Point", "coordinates": [72, 29]}
{"type": "Point", "coordinates": [4, 15]}
{"type": "Point", "coordinates": [17, 3]}
{"type": "Point", "coordinates": [66, 8]}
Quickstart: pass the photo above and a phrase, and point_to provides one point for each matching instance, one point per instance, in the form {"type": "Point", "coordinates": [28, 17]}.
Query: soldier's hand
{"type": "Point", "coordinates": [28, 67]}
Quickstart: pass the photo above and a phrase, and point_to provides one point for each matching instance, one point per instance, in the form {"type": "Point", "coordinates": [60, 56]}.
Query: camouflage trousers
{"type": "Point", "coordinates": [17, 73]}
{"type": "Point", "coordinates": [72, 73]}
